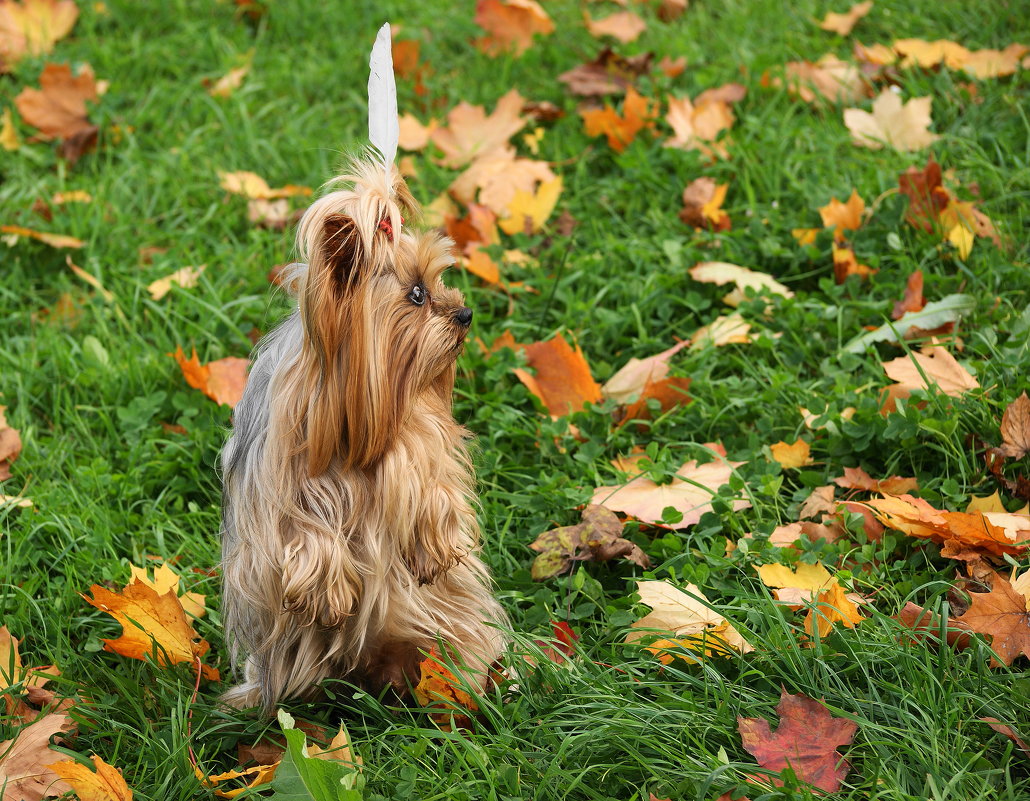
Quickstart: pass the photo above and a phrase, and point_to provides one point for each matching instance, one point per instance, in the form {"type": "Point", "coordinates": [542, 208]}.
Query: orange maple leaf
{"type": "Point", "coordinates": [439, 689]}
{"type": "Point", "coordinates": [223, 380]}
{"type": "Point", "coordinates": [792, 455]}
{"type": "Point", "coordinates": [843, 216]}
{"type": "Point", "coordinates": [621, 130]}
{"type": "Point", "coordinates": [470, 132]}
{"type": "Point", "coordinates": [562, 380]}
{"type": "Point", "coordinates": [510, 25]}
{"type": "Point", "coordinates": [702, 205]}
{"type": "Point", "coordinates": [1002, 614]}
{"type": "Point", "coordinates": [58, 108]}
{"type": "Point", "coordinates": [148, 618]}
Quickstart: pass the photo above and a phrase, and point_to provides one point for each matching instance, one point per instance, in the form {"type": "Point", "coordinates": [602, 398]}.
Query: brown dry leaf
{"type": "Point", "coordinates": [24, 775]}
{"type": "Point", "coordinates": [185, 277]}
{"type": "Point", "coordinates": [690, 493]}
{"type": "Point", "coordinates": [470, 132]}
{"type": "Point", "coordinates": [103, 784]}
{"type": "Point", "coordinates": [72, 196]}
{"type": "Point", "coordinates": [1015, 429]}
{"type": "Point", "coordinates": [820, 502]}
{"type": "Point", "coordinates": [729, 329]}
{"type": "Point", "coordinates": [846, 264]}
{"type": "Point", "coordinates": [728, 93]}
{"type": "Point", "coordinates": [671, 10]}
{"type": "Point", "coordinates": [858, 479]}
{"type": "Point", "coordinates": [478, 262]}
{"type": "Point", "coordinates": [1008, 731]}
{"type": "Point", "coordinates": [439, 689]}
{"type": "Point", "coordinates": [900, 126]}
{"type": "Point", "coordinates": [412, 134]}
{"type": "Point", "coordinates": [58, 108]}
{"type": "Point", "coordinates": [271, 214]}
{"type": "Point", "coordinates": [927, 198]}
{"type": "Point", "coordinates": [54, 240]}
{"type": "Point", "coordinates": [597, 538]}
{"type": "Point", "coordinates": [812, 585]}
{"type": "Point", "coordinates": [527, 212]}
{"type": "Point", "coordinates": [920, 53]}
{"type": "Point", "coordinates": [913, 300]}
{"type": "Point", "coordinates": [10, 447]}
{"type": "Point", "coordinates": [621, 130]}
{"type": "Point", "coordinates": [498, 176]}
{"type": "Point", "coordinates": [622, 25]}
{"type": "Point", "coordinates": [672, 67]}
{"type": "Point", "coordinates": [15, 679]}
{"type": "Point", "coordinates": [720, 272]}
{"type": "Point", "coordinates": [989, 63]}
{"type": "Point", "coordinates": [257, 776]}
{"type": "Point", "coordinates": [562, 379]}
{"type": "Point", "coordinates": [253, 186]}
{"type": "Point", "coordinates": [228, 83]}
{"type": "Point", "coordinates": [986, 503]}
{"type": "Point", "coordinates": [829, 78]}
{"type": "Point", "coordinates": [687, 619]}
{"type": "Point", "coordinates": [696, 126]}
{"type": "Point", "coordinates": [844, 23]}
{"type": "Point", "coordinates": [627, 384]}
{"type": "Point", "coordinates": [669, 392]}
{"type": "Point", "coordinates": [702, 205]}
{"type": "Point", "coordinates": [939, 367]}
{"type": "Point", "coordinates": [32, 27]}
{"type": "Point", "coordinates": [843, 216]}
{"type": "Point", "coordinates": [792, 455]}
{"type": "Point", "coordinates": [608, 74]}
{"type": "Point", "coordinates": [1002, 614]}
{"type": "Point", "coordinates": [92, 280]}
{"type": "Point", "coordinates": [148, 618]}
{"type": "Point", "coordinates": [510, 25]}
{"type": "Point", "coordinates": [166, 580]}
{"type": "Point", "coordinates": [223, 380]}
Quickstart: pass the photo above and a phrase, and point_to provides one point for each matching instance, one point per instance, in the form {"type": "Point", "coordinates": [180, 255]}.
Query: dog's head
{"type": "Point", "coordinates": [381, 329]}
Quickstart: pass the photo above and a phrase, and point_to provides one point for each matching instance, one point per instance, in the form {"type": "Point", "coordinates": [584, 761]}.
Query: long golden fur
{"type": "Point", "coordinates": [349, 537]}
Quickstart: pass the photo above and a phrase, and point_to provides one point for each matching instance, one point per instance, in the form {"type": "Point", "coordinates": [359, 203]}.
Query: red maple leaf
{"type": "Point", "coordinates": [806, 740]}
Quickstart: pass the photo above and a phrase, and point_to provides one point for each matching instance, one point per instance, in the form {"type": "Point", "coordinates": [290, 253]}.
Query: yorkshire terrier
{"type": "Point", "coordinates": [350, 541]}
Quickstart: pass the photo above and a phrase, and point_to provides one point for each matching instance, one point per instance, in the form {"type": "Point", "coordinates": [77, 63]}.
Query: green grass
{"type": "Point", "coordinates": [112, 486]}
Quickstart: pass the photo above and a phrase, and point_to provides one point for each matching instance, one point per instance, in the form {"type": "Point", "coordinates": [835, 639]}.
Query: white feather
{"type": "Point", "coordinates": [383, 128]}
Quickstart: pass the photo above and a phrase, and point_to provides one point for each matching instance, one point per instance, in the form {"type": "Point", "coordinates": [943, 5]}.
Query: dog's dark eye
{"type": "Point", "coordinates": [418, 294]}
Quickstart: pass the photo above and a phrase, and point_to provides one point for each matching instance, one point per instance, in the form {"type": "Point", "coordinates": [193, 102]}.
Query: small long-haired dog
{"type": "Point", "coordinates": [349, 535]}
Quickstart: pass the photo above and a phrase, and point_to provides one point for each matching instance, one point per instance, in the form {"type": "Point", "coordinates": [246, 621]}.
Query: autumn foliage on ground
{"type": "Point", "coordinates": [747, 377]}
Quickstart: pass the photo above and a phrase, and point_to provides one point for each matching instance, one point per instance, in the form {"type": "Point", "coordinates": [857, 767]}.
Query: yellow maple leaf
{"type": "Point", "coordinates": [105, 784]}
{"type": "Point", "coordinates": [32, 27]}
{"type": "Point", "coordinates": [530, 211]}
{"type": "Point", "coordinates": [959, 223]}
{"type": "Point", "coordinates": [792, 455]}
{"type": "Point", "coordinates": [812, 585]}
{"type": "Point", "coordinates": [167, 580]}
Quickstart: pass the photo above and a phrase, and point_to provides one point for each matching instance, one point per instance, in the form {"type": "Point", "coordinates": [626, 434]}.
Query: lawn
{"type": "Point", "coordinates": [120, 455]}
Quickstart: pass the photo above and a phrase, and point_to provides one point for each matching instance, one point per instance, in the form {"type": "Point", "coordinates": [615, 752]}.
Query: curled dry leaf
{"type": "Point", "coordinates": [470, 132]}
{"type": "Point", "coordinates": [185, 277]}
{"type": "Point", "coordinates": [596, 539]}
{"type": "Point", "coordinates": [253, 186]}
{"type": "Point", "coordinates": [608, 74]}
{"type": "Point", "coordinates": [148, 618]}
{"type": "Point", "coordinates": [628, 383]}
{"type": "Point", "coordinates": [15, 679]}
{"type": "Point", "coordinates": [10, 448]}
{"type": "Point", "coordinates": [271, 214]}
{"type": "Point", "coordinates": [669, 392]}
{"type": "Point", "coordinates": [844, 23]}
{"type": "Point", "coordinates": [622, 25]}
{"type": "Point", "coordinates": [105, 783]}
{"type": "Point", "coordinates": [913, 300]}
{"type": "Point", "coordinates": [620, 129]}
{"type": "Point", "coordinates": [228, 83]}
{"type": "Point", "coordinates": [806, 740]}
{"type": "Point", "coordinates": [857, 478]}
{"type": "Point", "coordinates": [846, 264]}
{"type": "Point", "coordinates": [702, 205]}
{"type": "Point", "coordinates": [927, 197]}
{"type": "Point", "coordinates": [814, 587]}
{"type": "Point", "coordinates": [33, 27]}
{"type": "Point", "coordinates": [696, 125]}
{"type": "Point", "coordinates": [222, 381]}
{"type": "Point", "coordinates": [690, 493]}
{"type": "Point", "coordinates": [683, 621]}
{"type": "Point", "coordinates": [720, 272]}
{"type": "Point", "coordinates": [562, 379]}
{"type": "Point", "coordinates": [1015, 430]}
{"type": "Point", "coordinates": [729, 329]}
{"type": "Point", "coordinates": [672, 67]}
{"type": "Point", "coordinates": [510, 25]}
{"type": "Point", "coordinates": [9, 139]}
{"type": "Point", "coordinates": [54, 240]}
{"type": "Point", "coordinates": [900, 126]}
{"type": "Point", "coordinates": [820, 502]}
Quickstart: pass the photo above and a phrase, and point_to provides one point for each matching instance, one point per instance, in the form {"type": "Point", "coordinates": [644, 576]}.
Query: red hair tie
{"type": "Point", "coordinates": [386, 225]}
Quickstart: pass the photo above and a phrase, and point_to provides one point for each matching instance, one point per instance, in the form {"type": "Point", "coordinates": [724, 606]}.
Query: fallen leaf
{"type": "Point", "coordinates": [857, 478]}
{"type": "Point", "coordinates": [629, 381]}
{"type": "Point", "coordinates": [228, 83]}
{"type": "Point", "coordinates": [167, 580]}
{"type": "Point", "coordinates": [528, 212]}
{"type": "Point", "coordinates": [690, 493]}
{"type": "Point", "coordinates": [829, 78]}
{"type": "Point", "coordinates": [439, 689]}
{"type": "Point", "coordinates": [562, 379]}
{"type": "Point", "coordinates": [843, 216]}
{"type": "Point", "coordinates": [806, 740]}
{"type": "Point", "coordinates": [927, 198]}
{"type": "Point", "coordinates": [510, 25]}
{"type": "Point", "coordinates": [54, 240]}
{"type": "Point", "coordinates": [821, 501]}
{"type": "Point", "coordinates": [10, 447]}
{"type": "Point", "coordinates": [702, 205]}
{"type": "Point", "coordinates": [792, 456]}
{"type": "Point", "coordinates": [271, 214]}
{"type": "Point", "coordinates": [608, 74]}
{"type": "Point", "coordinates": [185, 277]}
{"type": "Point", "coordinates": [959, 225]}
{"type": "Point", "coordinates": [987, 503]}
{"type": "Point", "coordinates": [720, 272]}
{"type": "Point", "coordinates": [622, 25]}
{"type": "Point", "coordinates": [1008, 731]}
{"type": "Point", "coordinates": [562, 645]}
{"type": "Point", "coordinates": [92, 280]}
{"type": "Point", "coordinates": [620, 130]}
{"type": "Point", "coordinates": [15, 679]}
{"type": "Point", "coordinates": [686, 615]}
{"type": "Point", "coordinates": [412, 134]}
{"type": "Point", "coordinates": [58, 108]}
{"type": "Point", "coordinates": [812, 586]}
{"type": "Point", "coordinates": [24, 775]}
{"type": "Point", "coordinates": [72, 196]}
{"type": "Point", "coordinates": [596, 539]}
{"type": "Point", "coordinates": [223, 381]}
{"type": "Point", "coordinates": [920, 53]}
{"type": "Point", "coordinates": [933, 317]}
{"type": "Point", "coordinates": [253, 186]}
{"type": "Point", "coordinates": [939, 368]}
{"type": "Point", "coordinates": [672, 67]}
{"type": "Point", "coordinates": [105, 784]}
{"type": "Point", "coordinates": [669, 392]}
{"type": "Point", "coordinates": [33, 27]}
{"type": "Point", "coordinates": [846, 264]}
{"type": "Point", "coordinates": [844, 23]}
{"type": "Point", "coordinates": [728, 93]}
{"type": "Point", "coordinates": [900, 126]}
{"type": "Point", "coordinates": [989, 63]}
{"type": "Point", "coordinates": [148, 618]}
{"type": "Point", "coordinates": [696, 125]}
{"type": "Point", "coordinates": [1015, 430]}
{"type": "Point", "coordinates": [670, 10]}
{"type": "Point", "coordinates": [729, 329]}
{"type": "Point", "coordinates": [257, 776]}
{"type": "Point", "coordinates": [926, 625]}
{"type": "Point", "coordinates": [1001, 614]}
{"type": "Point", "coordinates": [8, 134]}
{"type": "Point", "coordinates": [913, 300]}
{"type": "Point", "coordinates": [498, 177]}
{"type": "Point", "coordinates": [470, 133]}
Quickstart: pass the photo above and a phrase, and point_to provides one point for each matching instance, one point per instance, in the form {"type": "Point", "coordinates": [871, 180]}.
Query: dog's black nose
{"type": "Point", "coordinates": [464, 316]}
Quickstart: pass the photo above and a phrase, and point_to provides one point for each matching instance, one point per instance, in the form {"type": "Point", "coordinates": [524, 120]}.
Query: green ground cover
{"type": "Point", "coordinates": [111, 485]}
